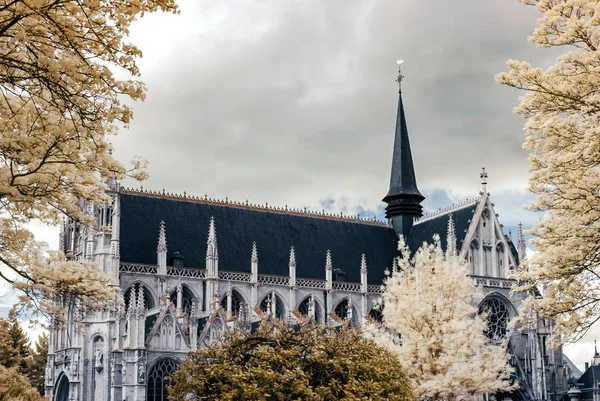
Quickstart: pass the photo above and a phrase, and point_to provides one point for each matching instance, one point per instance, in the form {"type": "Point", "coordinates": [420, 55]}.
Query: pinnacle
{"type": "Point", "coordinates": [162, 238]}
{"type": "Point", "coordinates": [254, 257]}
{"type": "Point", "coordinates": [292, 257]}
{"type": "Point", "coordinates": [363, 264]}
{"type": "Point", "coordinates": [328, 264]}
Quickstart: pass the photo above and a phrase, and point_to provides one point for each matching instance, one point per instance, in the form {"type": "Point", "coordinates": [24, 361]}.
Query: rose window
{"type": "Point", "coordinates": [497, 318]}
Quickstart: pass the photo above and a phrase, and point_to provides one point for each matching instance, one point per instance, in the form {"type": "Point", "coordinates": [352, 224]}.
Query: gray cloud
{"type": "Point", "coordinates": [294, 102]}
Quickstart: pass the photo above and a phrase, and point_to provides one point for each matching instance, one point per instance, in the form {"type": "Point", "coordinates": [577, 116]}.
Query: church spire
{"type": "Point", "coordinates": [403, 198]}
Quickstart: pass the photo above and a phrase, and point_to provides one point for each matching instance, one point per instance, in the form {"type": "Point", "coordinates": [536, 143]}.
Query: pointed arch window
{"type": "Point", "coordinates": [267, 304]}
{"type": "Point", "coordinates": [304, 309]}
{"type": "Point", "coordinates": [187, 299]}
{"type": "Point", "coordinates": [159, 378]}
{"type": "Point", "coordinates": [148, 300]}
{"type": "Point", "coordinates": [344, 310]}
{"type": "Point", "coordinates": [237, 302]}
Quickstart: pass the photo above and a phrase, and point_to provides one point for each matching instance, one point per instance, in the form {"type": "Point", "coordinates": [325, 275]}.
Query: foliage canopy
{"type": "Point", "coordinates": [280, 363]}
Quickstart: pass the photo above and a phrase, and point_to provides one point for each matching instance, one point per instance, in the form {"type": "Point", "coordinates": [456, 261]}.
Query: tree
{"type": "Point", "coordinates": [8, 354]}
{"type": "Point", "coordinates": [562, 108]}
{"type": "Point", "coordinates": [59, 102]}
{"type": "Point", "coordinates": [19, 342]}
{"type": "Point", "coordinates": [36, 368]}
{"type": "Point", "coordinates": [430, 321]}
{"type": "Point", "coordinates": [280, 363]}
{"type": "Point", "coordinates": [16, 387]}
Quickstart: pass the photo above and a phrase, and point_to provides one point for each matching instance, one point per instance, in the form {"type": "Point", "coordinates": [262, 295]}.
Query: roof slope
{"type": "Point", "coordinates": [424, 229]}
{"type": "Point", "coordinates": [237, 227]}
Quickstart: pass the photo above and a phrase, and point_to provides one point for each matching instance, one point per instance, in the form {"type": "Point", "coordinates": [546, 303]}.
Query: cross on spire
{"type": "Point", "coordinates": [400, 76]}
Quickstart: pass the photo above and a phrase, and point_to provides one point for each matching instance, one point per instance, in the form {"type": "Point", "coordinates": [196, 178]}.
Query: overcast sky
{"type": "Point", "coordinates": [294, 102]}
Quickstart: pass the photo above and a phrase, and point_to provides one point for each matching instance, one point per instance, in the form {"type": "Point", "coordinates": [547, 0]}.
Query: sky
{"type": "Point", "coordinates": [294, 102]}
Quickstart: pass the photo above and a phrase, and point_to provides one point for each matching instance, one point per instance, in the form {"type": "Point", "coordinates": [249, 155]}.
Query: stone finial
{"type": "Point", "coordinates": [162, 238]}
{"type": "Point", "coordinates": [521, 244]}
{"type": "Point", "coordinates": [363, 264]}
{"type": "Point", "coordinates": [292, 257]}
{"type": "Point", "coordinates": [395, 267]}
{"type": "Point", "coordinates": [328, 264]}
{"type": "Point", "coordinates": [451, 238]}
{"type": "Point", "coordinates": [254, 257]}
{"type": "Point", "coordinates": [212, 249]}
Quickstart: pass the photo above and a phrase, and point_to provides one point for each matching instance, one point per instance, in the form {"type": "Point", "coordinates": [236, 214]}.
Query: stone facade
{"type": "Point", "coordinates": [329, 269]}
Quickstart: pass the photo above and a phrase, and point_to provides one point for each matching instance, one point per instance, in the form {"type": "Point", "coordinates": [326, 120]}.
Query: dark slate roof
{"type": "Point", "coordinates": [237, 227]}
{"type": "Point", "coordinates": [587, 381]}
{"type": "Point", "coordinates": [424, 231]}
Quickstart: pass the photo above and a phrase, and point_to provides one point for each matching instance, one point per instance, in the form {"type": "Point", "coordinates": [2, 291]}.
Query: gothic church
{"type": "Point", "coordinates": [191, 268]}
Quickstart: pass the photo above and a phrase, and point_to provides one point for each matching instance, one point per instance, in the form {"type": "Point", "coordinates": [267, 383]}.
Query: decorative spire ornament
{"type": "Point", "coordinates": [254, 257]}
{"type": "Point", "coordinates": [162, 238]}
{"type": "Point", "coordinates": [363, 264]}
{"type": "Point", "coordinates": [328, 263]}
{"type": "Point", "coordinates": [451, 238]}
{"type": "Point", "coordinates": [212, 250]}
{"type": "Point", "coordinates": [521, 244]}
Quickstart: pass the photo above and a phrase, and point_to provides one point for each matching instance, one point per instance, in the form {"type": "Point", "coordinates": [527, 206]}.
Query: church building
{"type": "Point", "coordinates": [191, 268]}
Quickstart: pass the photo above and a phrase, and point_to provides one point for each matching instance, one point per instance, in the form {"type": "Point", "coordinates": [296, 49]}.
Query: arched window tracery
{"type": "Point", "coordinates": [497, 316]}
{"type": "Point", "coordinates": [305, 308]}
{"type": "Point", "coordinates": [273, 299]}
{"type": "Point", "coordinates": [237, 301]}
{"type": "Point", "coordinates": [148, 299]}
{"type": "Point", "coordinates": [187, 299]}
{"type": "Point", "coordinates": [344, 310]}
{"type": "Point", "coordinates": [159, 378]}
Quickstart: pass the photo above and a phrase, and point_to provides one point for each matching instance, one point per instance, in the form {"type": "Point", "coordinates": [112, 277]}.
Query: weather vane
{"type": "Point", "coordinates": [400, 76]}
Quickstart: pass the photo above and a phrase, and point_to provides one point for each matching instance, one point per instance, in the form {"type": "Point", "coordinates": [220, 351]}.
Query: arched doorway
{"type": "Point", "coordinates": [61, 392]}
{"type": "Point", "coordinates": [159, 378]}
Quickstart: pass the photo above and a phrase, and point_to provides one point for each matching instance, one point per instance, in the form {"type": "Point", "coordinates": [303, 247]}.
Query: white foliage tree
{"type": "Point", "coordinates": [432, 303]}
{"type": "Point", "coordinates": [562, 108]}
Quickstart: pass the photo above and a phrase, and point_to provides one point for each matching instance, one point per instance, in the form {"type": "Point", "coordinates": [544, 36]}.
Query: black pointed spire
{"type": "Point", "coordinates": [403, 198]}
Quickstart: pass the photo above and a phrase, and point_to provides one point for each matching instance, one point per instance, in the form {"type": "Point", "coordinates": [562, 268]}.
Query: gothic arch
{"type": "Point", "coordinates": [150, 299]}
{"type": "Point", "coordinates": [61, 392]}
{"type": "Point", "coordinates": [188, 296]}
{"type": "Point", "coordinates": [237, 299]}
{"type": "Point", "coordinates": [341, 310]}
{"type": "Point", "coordinates": [280, 306]}
{"type": "Point", "coordinates": [159, 378]}
{"type": "Point", "coordinates": [303, 308]}
{"type": "Point", "coordinates": [474, 255]}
